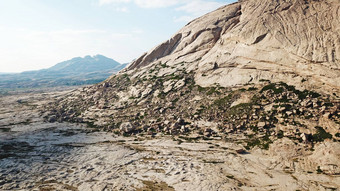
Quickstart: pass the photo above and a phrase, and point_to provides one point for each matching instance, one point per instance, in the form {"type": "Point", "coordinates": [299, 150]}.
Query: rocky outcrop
{"type": "Point", "coordinates": [159, 52]}
{"type": "Point", "coordinates": [269, 65]}
{"type": "Point", "coordinates": [291, 41]}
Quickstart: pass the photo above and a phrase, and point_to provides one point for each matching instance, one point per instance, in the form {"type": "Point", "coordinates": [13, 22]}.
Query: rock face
{"type": "Point", "coordinates": [291, 41]}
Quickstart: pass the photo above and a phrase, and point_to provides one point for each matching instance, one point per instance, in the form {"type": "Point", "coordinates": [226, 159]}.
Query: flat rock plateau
{"type": "Point", "coordinates": [243, 98]}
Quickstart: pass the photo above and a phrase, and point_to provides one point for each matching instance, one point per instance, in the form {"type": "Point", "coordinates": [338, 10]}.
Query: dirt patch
{"type": "Point", "coordinates": [155, 186]}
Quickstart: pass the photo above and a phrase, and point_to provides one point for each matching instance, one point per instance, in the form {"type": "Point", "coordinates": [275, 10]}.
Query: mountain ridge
{"type": "Point", "coordinates": [76, 71]}
{"type": "Point", "coordinates": [87, 64]}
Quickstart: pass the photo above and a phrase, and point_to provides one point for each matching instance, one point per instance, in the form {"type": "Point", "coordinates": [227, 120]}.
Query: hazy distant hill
{"type": "Point", "coordinates": [86, 65]}
{"type": "Point", "coordinates": [77, 71]}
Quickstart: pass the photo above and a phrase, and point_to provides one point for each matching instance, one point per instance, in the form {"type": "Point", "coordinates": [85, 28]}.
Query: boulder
{"type": "Point", "coordinates": [261, 124]}
{"type": "Point", "coordinates": [127, 127]}
{"type": "Point", "coordinates": [52, 119]}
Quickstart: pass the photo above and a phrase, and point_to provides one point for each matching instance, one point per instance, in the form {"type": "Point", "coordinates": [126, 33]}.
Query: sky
{"type": "Point", "coordinates": [37, 34]}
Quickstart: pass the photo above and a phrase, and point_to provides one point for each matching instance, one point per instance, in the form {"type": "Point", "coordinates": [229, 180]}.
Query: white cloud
{"type": "Point", "coordinates": [103, 2]}
{"type": "Point", "coordinates": [76, 32]}
{"type": "Point", "coordinates": [122, 9]}
{"type": "Point", "coordinates": [156, 3]}
{"type": "Point", "coordinates": [119, 35]}
{"type": "Point", "coordinates": [143, 3]}
{"type": "Point", "coordinates": [196, 8]}
{"type": "Point", "coordinates": [191, 8]}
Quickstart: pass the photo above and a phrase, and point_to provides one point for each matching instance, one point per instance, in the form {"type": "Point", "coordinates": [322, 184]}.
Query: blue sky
{"type": "Point", "coordinates": [37, 34]}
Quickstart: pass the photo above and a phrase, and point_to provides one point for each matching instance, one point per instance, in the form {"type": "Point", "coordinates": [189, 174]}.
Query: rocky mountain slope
{"type": "Point", "coordinates": [262, 74]}
{"type": "Point", "coordinates": [245, 42]}
{"type": "Point", "coordinates": [77, 71]}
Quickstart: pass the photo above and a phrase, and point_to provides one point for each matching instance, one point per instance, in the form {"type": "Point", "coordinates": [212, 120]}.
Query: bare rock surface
{"type": "Point", "coordinates": [37, 155]}
{"type": "Point", "coordinates": [290, 41]}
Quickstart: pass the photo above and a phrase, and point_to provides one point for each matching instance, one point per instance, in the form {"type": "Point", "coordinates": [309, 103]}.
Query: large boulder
{"type": "Point", "coordinates": [127, 127]}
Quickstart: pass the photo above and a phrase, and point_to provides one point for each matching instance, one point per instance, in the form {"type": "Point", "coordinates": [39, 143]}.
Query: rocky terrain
{"type": "Point", "coordinates": [245, 55]}
{"type": "Point", "coordinates": [243, 98]}
{"type": "Point", "coordinates": [36, 155]}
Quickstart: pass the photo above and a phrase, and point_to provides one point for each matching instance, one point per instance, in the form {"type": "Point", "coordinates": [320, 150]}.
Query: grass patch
{"type": "Point", "coordinates": [223, 103]}
{"type": "Point", "coordinates": [262, 143]}
{"type": "Point", "coordinates": [272, 86]}
{"type": "Point", "coordinates": [238, 110]}
{"type": "Point", "coordinates": [213, 90]}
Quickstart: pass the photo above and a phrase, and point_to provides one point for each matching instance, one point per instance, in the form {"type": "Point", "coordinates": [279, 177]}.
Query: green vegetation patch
{"type": "Point", "coordinates": [240, 108]}
{"type": "Point", "coordinates": [321, 135]}
{"type": "Point", "coordinates": [223, 103]}
{"type": "Point", "coordinates": [272, 86]}
{"type": "Point", "coordinates": [281, 87]}
{"type": "Point", "coordinates": [262, 143]}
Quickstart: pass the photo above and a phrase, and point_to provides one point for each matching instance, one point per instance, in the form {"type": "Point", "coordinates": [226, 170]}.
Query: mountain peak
{"type": "Point", "coordinates": [86, 64]}
{"type": "Point", "coordinates": [88, 57]}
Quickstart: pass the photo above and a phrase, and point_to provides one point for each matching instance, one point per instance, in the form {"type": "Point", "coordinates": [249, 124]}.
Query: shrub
{"type": "Point", "coordinates": [319, 171]}
{"type": "Point", "coordinates": [201, 89]}
{"type": "Point", "coordinates": [272, 87]}
{"type": "Point", "coordinates": [321, 135]}
{"type": "Point", "coordinates": [213, 90]}
{"type": "Point", "coordinates": [223, 102]}
{"type": "Point", "coordinates": [252, 89]}
{"type": "Point", "coordinates": [280, 134]}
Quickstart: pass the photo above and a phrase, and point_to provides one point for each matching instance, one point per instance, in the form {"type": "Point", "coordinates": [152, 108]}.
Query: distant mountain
{"type": "Point", "coordinates": [77, 71]}
{"type": "Point", "coordinates": [86, 65]}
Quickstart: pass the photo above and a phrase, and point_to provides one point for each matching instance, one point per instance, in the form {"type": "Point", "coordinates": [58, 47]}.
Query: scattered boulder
{"type": "Point", "coordinates": [52, 119]}
{"type": "Point", "coordinates": [180, 121]}
{"type": "Point", "coordinates": [208, 132]}
{"type": "Point", "coordinates": [127, 127]}
{"type": "Point", "coordinates": [241, 151]}
{"type": "Point", "coordinates": [179, 84]}
{"type": "Point", "coordinates": [261, 124]}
